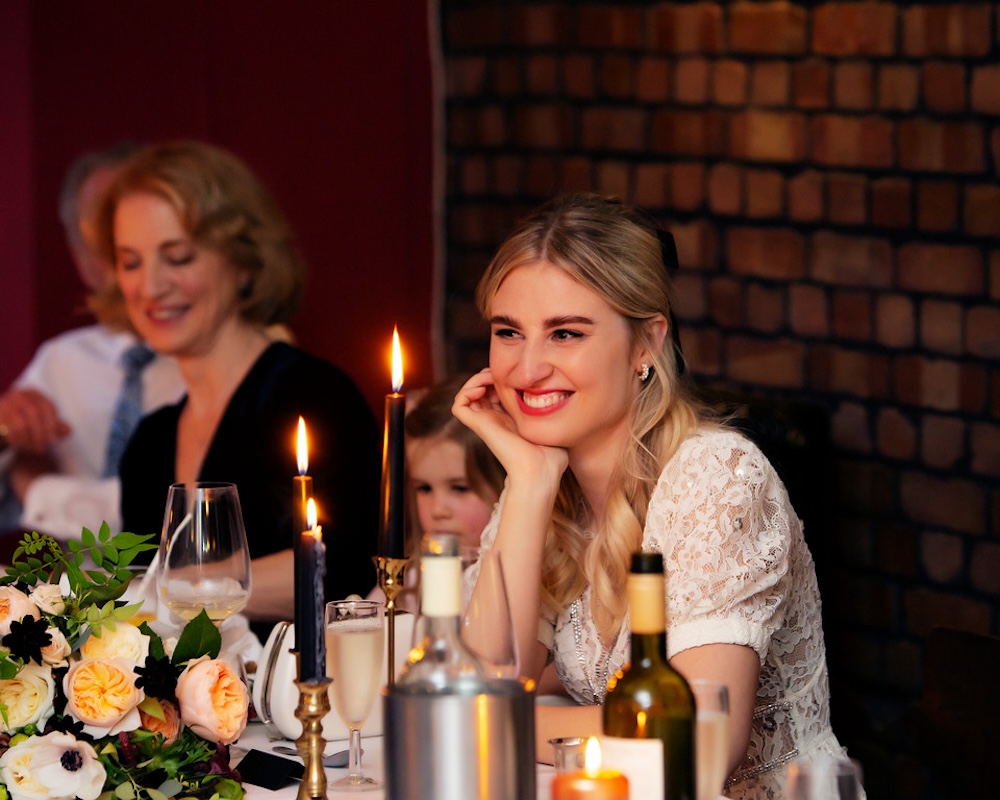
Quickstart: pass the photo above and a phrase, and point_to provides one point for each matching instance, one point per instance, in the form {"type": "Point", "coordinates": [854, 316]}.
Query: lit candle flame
{"type": "Point", "coordinates": [302, 448]}
{"type": "Point", "coordinates": [311, 519]}
{"type": "Point", "coordinates": [397, 362]}
{"type": "Point", "coordinates": [592, 756]}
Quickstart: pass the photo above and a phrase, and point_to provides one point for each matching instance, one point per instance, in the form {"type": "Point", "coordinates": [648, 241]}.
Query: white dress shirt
{"type": "Point", "coordinates": [81, 372]}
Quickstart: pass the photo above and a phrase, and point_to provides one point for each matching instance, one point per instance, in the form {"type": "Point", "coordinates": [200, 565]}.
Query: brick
{"type": "Point", "coordinates": [850, 372]}
{"type": "Point", "coordinates": [613, 177]}
{"type": "Point", "coordinates": [849, 428]}
{"type": "Point", "coordinates": [507, 175]}
{"type": "Point", "coordinates": [764, 193]}
{"type": "Point", "coordinates": [944, 86]}
{"type": "Point", "coordinates": [986, 90]}
{"type": "Point", "coordinates": [473, 175]}
{"type": "Point", "coordinates": [506, 76]}
{"type": "Point", "coordinates": [955, 270]}
{"type": "Point", "coordinates": [767, 28]}
{"type": "Point", "coordinates": [617, 76]}
{"type": "Point", "coordinates": [852, 315]}
{"type": "Point", "coordinates": [687, 186]}
{"type": "Point", "coordinates": [725, 302]}
{"type": "Point", "coordinates": [697, 244]}
{"type": "Point", "coordinates": [729, 83]}
{"type": "Point", "coordinates": [579, 76]}
{"type": "Point", "coordinates": [542, 74]}
{"type": "Point", "coordinates": [541, 175]}
{"type": "Point", "coordinates": [942, 441]}
{"type": "Point", "coordinates": [972, 388]}
{"type": "Point", "coordinates": [933, 383]}
{"type": "Point", "coordinates": [898, 87]}
{"type": "Point", "coordinates": [903, 666]}
{"type": "Point", "coordinates": [984, 570]}
{"type": "Point", "coordinates": [474, 28]}
{"type": "Point", "coordinates": [854, 541]}
{"type": "Point", "coordinates": [694, 28]}
{"type": "Point", "coordinates": [866, 488]}
{"type": "Point", "coordinates": [982, 210]}
{"type": "Point", "coordinates": [894, 321]}
{"type": "Point", "coordinates": [811, 84]}
{"type": "Point", "coordinates": [985, 438]}
{"type": "Point", "coordinates": [766, 362]}
{"type": "Point", "coordinates": [951, 29]}
{"type": "Point", "coordinates": [691, 79]}
{"type": "Point", "coordinates": [847, 199]}
{"type": "Point", "coordinates": [576, 175]}
{"type": "Point", "coordinates": [870, 603]}
{"type": "Point", "coordinates": [725, 189]}
{"type": "Point", "coordinates": [768, 136]}
{"type": "Point", "coordinates": [995, 274]}
{"type": "Point", "coordinates": [927, 609]}
{"type": "Point", "coordinates": [846, 29]}
{"type": "Point", "coordinates": [809, 314]}
{"type": "Point", "coordinates": [896, 435]}
{"type": "Point", "coordinates": [946, 503]}
{"type": "Point", "coordinates": [546, 125]}
{"type": "Point", "coordinates": [465, 76]}
{"type": "Point", "coordinates": [891, 203]}
{"type": "Point", "coordinates": [931, 146]}
{"type": "Point", "coordinates": [896, 550]}
{"type": "Point", "coordinates": [770, 84]}
{"type": "Point", "coordinates": [941, 326]}
{"type": "Point", "coordinates": [982, 331]}
{"type": "Point", "coordinates": [937, 206]}
{"type": "Point", "coordinates": [995, 150]}
{"type": "Point", "coordinates": [765, 252]}
{"type": "Point", "coordinates": [540, 25]}
{"type": "Point", "coordinates": [616, 25]}
{"type": "Point", "coordinates": [689, 133]}
{"type": "Point", "coordinates": [805, 196]}
{"type": "Point", "coordinates": [853, 85]}
{"type": "Point", "coordinates": [765, 308]}
{"type": "Point", "coordinates": [943, 556]}
{"type": "Point", "coordinates": [851, 260]}
{"type": "Point", "coordinates": [651, 185]}
{"type": "Point", "coordinates": [703, 351]}
{"type": "Point", "coordinates": [689, 295]}
{"type": "Point", "coordinates": [613, 128]}
{"type": "Point", "coordinates": [843, 141]}
{"type": "Point", "coordinates": [652, 80]}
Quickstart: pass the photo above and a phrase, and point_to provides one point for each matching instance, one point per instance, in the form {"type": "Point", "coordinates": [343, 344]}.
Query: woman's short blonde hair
{"type": "Point", "coordinates": [222, 205]}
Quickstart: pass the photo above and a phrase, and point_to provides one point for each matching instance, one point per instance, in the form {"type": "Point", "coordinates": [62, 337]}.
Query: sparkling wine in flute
{"type": "Point", "coordinates": [354, 662]}
{"type": "Point", "coordinates": [712, 749]}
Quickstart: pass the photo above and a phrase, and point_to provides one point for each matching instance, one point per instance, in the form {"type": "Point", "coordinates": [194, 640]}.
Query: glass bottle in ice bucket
{"type": "Point", "coordinates": [439, 661]}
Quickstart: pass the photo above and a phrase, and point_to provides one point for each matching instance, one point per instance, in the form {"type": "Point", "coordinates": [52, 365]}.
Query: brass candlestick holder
{"type": "Point", "coordinates": [391, 579]}
{"type": "Point", "coordinates": [314, 704]}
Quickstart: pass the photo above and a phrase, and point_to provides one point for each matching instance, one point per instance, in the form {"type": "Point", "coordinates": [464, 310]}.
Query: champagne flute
{"type": "Point", "coordinates": [355, 641]}
{"type": "Point", "coordinates": [823, 778]}
{"type": "Point", "coordinates": [711, 700]}
{"type": "Point", "coordinates": [495, 644]}
{"type": "Point", "coordinates": [204, 560]}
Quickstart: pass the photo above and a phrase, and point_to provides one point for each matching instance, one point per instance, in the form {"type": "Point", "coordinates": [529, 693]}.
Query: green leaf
{"type": "Point", "coordinates": [199, 638]}
{"type": "Point", "coordinates": [153, 708]}
{"type": "Point", "coordinates": [87, 538]}
{"type": "Point", "coordinates": [170, 787]}
{"type": "Point", "coordinates": [155, 642]}
{"type": "Point", "coordinates": [156, 794]}
{"type": "Point", "coordinates": [125, 791]}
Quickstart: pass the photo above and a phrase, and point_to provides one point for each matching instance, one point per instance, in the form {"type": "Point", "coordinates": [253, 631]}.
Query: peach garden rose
{"type": "Point", "coordinates": [14, 605]}
{"type": "Point", "coordinates": [101, 693]}
{"type": "Point", "coordinates": [213, 700]}
{"type": "Point", "coordinates": [169, 726]}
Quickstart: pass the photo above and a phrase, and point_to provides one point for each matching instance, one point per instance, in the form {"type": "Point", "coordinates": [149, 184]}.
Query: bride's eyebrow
{"type": "Point", "coordinates": [502, 319]}
{"type": "Point", "coordinates": [558, 322]}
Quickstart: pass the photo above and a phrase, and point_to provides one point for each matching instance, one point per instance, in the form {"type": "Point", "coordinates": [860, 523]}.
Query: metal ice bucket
{"type": "Point", "coordinates": [468, 746]}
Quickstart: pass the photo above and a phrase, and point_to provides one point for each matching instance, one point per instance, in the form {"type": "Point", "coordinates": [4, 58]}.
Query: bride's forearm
{"type": "Point", "coordinates": [272, 596]}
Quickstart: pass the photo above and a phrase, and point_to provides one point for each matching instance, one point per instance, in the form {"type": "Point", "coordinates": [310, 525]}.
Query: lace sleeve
{"type": "Point", "coordinates": [720, 515]}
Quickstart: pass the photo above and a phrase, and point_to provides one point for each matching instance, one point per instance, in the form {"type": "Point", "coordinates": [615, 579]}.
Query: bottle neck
{"type": "Point", "coordinates": [647, 617]}
{"type": "Point", "coordinates": [648, 648]}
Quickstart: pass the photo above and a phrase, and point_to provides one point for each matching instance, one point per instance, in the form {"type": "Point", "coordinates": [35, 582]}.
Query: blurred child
{"type": "Point", "coordinates": [454, 477]}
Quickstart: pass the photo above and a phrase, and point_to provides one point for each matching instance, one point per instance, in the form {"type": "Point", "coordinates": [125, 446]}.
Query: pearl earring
{"type": "Point", "coordinates": [644, 373]}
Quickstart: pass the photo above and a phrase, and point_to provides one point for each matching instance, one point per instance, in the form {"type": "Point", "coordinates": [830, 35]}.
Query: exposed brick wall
{"type": "Point", "coordinates": [830, 172]}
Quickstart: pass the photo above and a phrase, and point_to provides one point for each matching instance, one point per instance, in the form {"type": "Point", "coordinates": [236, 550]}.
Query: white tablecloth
{"type": "Point", "coordinates": [254, 738]}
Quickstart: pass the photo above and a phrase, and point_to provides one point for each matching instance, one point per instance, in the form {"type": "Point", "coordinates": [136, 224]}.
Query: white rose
{"type": "Point", "coordinates": [28, 697]}
{"type": "Point", "coordinates": [52, 767]}
{"type": "Point", "coordinates": [14, 605]}
{"type": "Point", "coordinates": [49, 598]}
{"type": "Point", "coordinates": [57, 651]}
{"type": "Point", "coordinates": [123, 641]}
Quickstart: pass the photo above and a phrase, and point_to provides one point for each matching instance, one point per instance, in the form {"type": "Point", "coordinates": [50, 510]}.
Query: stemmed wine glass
{"type": "Point", "coordinates": [487, 626]}
{"type": "Point", "coordinates": [204, 560]}
{"type": "Point", "coordinates": [823, 778]}
{"type": "Point", "coordinates": [355, 641]}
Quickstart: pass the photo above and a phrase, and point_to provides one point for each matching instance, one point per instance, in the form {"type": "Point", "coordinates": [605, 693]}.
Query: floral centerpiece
{"type": "Point", "coordinates": [96, 707]}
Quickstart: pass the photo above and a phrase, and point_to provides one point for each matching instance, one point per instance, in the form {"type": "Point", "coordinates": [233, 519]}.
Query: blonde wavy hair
{"type": "Point", "coordinates": [222, 205]}
{"type": "Point", "coordinates": [613, 250]}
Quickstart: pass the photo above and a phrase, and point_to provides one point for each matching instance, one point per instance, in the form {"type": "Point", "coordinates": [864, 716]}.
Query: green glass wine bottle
{"type": "Point", "coordinates": [649, 712]}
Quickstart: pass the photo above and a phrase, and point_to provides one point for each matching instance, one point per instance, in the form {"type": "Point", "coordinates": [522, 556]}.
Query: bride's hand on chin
{"type": "Point", "coordinates": [477, 405]}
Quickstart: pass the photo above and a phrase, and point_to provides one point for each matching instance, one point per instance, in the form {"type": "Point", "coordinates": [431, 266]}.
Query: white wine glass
{"type": "Point", "coordinates": [355, 641]}
{"type": "Point", "coordinates": [487, 626]}
{"type": "Point", "coordinates": [711, 701]}
{"type": "Point", "coordinates": [204, 560]}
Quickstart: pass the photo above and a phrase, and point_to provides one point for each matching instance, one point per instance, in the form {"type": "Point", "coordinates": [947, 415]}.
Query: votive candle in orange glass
{"type": "Point", "coordinates": [592, 782]}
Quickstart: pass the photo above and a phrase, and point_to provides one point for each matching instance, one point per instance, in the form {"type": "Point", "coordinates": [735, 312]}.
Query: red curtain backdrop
{"type": "Point", "coordinates": [329, 102]}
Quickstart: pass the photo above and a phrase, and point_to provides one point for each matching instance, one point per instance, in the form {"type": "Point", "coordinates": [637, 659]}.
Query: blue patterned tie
{"type": "Point", "coordinates": [128, 408]}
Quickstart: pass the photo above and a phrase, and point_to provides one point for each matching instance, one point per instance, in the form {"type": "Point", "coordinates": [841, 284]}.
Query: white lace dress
{"type": "Point", "coordinates": [737, 571]}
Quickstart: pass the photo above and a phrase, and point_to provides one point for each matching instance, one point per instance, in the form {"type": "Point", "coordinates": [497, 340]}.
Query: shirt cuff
{"type": "Point", "coordinates": [717, 630]}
